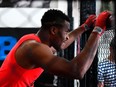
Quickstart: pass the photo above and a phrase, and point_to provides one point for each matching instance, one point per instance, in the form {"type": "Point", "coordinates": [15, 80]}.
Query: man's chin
{"type": "Point", "coordinates": [58, 49]}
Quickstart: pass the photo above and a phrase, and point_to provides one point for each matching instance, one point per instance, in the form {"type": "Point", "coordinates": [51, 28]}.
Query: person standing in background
{"type": "Point", "coordinates": [107, 68]}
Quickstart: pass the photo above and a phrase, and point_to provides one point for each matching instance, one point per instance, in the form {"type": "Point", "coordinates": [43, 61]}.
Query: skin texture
{"type": "Point", "coordinates": [32, 54]}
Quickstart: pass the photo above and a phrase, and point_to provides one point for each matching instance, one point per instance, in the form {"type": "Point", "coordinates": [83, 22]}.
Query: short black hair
{"type": "Point", "coordinates": [53, 17]}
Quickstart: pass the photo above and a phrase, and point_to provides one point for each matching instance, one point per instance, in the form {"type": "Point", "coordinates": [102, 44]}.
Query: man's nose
{"type": "Point", "coordinates": [67, 37]}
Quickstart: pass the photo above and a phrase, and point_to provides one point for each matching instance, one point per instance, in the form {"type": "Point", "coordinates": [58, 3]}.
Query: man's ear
{"type": "Point", "coordinates": [53, 30]}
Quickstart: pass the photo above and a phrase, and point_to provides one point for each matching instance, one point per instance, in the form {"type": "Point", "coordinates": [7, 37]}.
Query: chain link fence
{"type": "Point", "coordinates": [103, 50]}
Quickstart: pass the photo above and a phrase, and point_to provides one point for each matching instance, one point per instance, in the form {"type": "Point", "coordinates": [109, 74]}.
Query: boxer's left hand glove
{"type": "Point", "coordinates": [90, 21]}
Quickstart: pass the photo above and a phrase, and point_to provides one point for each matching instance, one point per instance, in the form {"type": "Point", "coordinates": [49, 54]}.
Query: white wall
{"type": "Point", "coordinates": [27, 17]}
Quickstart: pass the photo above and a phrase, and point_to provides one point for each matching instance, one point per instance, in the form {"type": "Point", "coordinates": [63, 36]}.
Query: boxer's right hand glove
{"type": "Point", "coordinates": [100, 24]}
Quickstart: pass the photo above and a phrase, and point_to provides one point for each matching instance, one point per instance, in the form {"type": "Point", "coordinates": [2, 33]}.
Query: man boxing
{"type": "Point", "coordinates": [32, 54]}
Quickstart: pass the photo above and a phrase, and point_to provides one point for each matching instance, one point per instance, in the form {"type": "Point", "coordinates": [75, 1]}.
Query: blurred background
{"type": "Point", "coordinates": [19, 17]}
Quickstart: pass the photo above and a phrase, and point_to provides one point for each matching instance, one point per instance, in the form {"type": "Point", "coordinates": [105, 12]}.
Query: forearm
{"type": "Point", "coordinates": [72, 36]}
{"type": "Point", "coordinates": [89, 51]}
{"type": "Point", "coordinates": [85, 58]}
{"type": "Point", "coordinates": [78, 31]}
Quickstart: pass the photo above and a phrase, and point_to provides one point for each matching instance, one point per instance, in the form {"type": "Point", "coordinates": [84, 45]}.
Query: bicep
{"type": "Point", "coordinates": [43, 57]}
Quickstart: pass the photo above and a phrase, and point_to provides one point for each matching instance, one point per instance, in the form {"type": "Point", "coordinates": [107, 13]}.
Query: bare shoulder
{"type": "Point", "coordinates": [33, 53]}
{"type": "Point", "coordinates": [35, 46]}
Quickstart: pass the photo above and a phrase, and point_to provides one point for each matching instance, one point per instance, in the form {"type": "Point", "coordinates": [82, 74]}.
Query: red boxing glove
{"type": "Point", "coordinates": [102, 19]}
{"type": "Point", "coordinates": [89, 22]}
{"type": "Point", "coordinates": [100, 25]}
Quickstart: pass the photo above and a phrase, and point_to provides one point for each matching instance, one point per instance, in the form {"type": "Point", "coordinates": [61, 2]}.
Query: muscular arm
{"type": "Point", "coordinates": [72, 36]}
{"type": "Point", "coordinates": [85, 58]}
{"type": "Point", "coordinates": [78, 66]}
{"type": "Point", "coordinates": [78, 31]}
{"type": "Point", "coordinates": [40, 55]}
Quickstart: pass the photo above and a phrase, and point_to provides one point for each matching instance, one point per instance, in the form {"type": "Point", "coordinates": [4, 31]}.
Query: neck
{"type": "Point", "coordinates": [44, 37]}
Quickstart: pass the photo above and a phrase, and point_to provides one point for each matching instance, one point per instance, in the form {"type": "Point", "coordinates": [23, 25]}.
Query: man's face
{"type": "Point", "coordinates": [61, 36]}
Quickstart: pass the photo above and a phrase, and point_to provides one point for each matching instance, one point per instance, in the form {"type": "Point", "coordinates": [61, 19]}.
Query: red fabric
{"type": "Point", "coordinates": [102, 19]}
{"type": "Point", "coordinates": [13, 75]}
{"type": "Point", "coordinates": [90, 21]}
